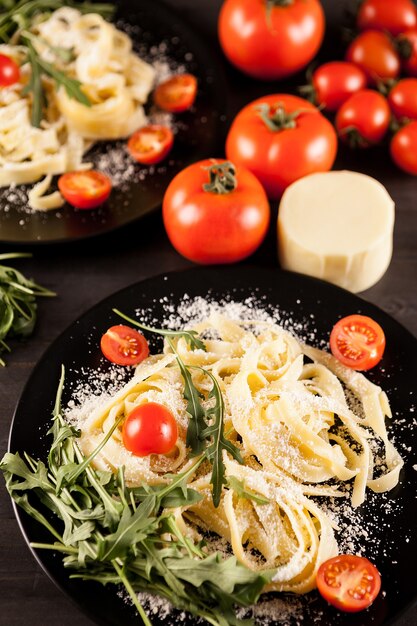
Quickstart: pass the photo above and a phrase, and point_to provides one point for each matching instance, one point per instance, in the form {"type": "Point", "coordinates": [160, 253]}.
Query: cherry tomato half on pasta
{"type": "Point", "coordinates": [281, 138]}
{"type": "Point", "coordinates": [177, 94]}
{"type": "Point", "coordinates": [9, 71]}
{"type": "Point", "coordinates": [215, 213]}
{"type": "Point", "coordinates": [151, 144]}
{"type": "Point", "coordinates": [150, 429]}
{"type": "Point", "coordinates": [85, 189]}
{"type": "Point", "coordinates": [363, 120]}
{"type": "Point", "coordinates": [124, 345]}
{"type": "Point", "coordinates": [348, 582]}
{"type": "Point", "coordinates": [358, 342]}
{"type": "Point", "coordinates": [334, 82]}
{"type": "Point", "coordinates": [375, 53]}
{"type": "Point", "coordinates": [403, 148]}
{"type": "Point", "coordinates": [271, 40]}
{"type": "Point", "coordinates": [392, 16]}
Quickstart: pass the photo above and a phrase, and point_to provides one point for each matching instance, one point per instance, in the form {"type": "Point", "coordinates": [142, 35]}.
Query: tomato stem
{"type": "Point", "coordinates": [271, 4]}
{"type": "Point", "coordinates": [276, 118]}
{"type": "Point", "coordinates": [222, 178]}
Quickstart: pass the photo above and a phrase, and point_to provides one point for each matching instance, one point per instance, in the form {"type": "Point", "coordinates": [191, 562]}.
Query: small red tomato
{"type": "Point", "coordinates": [124, 346]}
{"type": "Point", "coordinates": [150, 429]}
{"type": "Point", "coordinates": [407, 47]}
{"type": "Point", "coordinates": [375, 53]}
{"type": "Point", "coordinates": [403, 99]}
{"type": "Point", "coordinates": [363, 120]}
{"type": "Point", "coordinates": [85, 189]}
{"type": "Point", "coordinates": [403, 148]}
{"type": "Point", "coordinates": [358, 342]}
{"type": "Point", "coordinates": [215, 213]}
{"type": "Point", "coordinates": [151, 144]}
{"type": "Point", "coordinates": [177, 94]}
{"type": "Point", "coordinates": [392, 16]}
{"type": "Point", "coordinates": [9, 71]}
{"type": "Point", "coordinates": [348, 582]}
{"type": "Point", "coordinates": [333, 83]}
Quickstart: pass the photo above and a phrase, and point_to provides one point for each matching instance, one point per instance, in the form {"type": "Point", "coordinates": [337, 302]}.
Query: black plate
{"type": "Point", "coordinates": [302, 300]}
{"type": "Point", "coordinates": [200, 132]}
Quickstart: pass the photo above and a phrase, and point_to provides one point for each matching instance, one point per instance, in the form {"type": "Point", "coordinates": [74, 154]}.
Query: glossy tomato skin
{"type": "Point", "coordinates": [274, 47]}
{"type": "Point", "coordinates": [375, 53]}
{"type": "Point", "coordinates": [9, 71]}
{"type": "Point", "coordinates": [151, 144]}
{"type": "Point", "coordinates": [150, 429]}
{"type": "Point", "coordinates": [392, 16]}
{"type": "Point", "coordinates": [212, 228]}
{"type": "Point", "coordinates": [403, 99]}
{"type": "Point", "coordinates": [85, 189]}
{"type": "Point", "coordinates": [408, 52]}
{"type": "Point", "coordinates": [403, 148]}
{"type": "Point", "coordinates": [366, 112]}
{"type": "Point", "coordinates": [124, 345]}
{"type": "Point", "coordinates": [348, 582]}
{"type": "Point", "coordinates": [278, 158]}
{"type": "Point", "coordinates": [358, 342]}
{"type": "Point", "coordinates": [335, 82]}
{"type": "Point", "coordinates": [176, 94]}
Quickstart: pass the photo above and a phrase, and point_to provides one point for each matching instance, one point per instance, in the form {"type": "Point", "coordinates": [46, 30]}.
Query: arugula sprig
{"type": "Point", "coordinates": [17, 302]}
{"type": "Point", "coordinates": [114, 534]}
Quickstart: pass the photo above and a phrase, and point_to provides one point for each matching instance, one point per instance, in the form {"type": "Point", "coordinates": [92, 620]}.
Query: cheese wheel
{"type": "Point", "coordinates": [337, 226]}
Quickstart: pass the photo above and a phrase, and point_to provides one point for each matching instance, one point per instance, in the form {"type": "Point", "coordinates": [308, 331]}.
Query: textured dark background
{"type": "Point", "coordinates": [84, 273]}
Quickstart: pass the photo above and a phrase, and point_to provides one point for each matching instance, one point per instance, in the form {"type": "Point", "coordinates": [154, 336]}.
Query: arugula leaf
{"type": "Point", "coordinates": [238, 486]}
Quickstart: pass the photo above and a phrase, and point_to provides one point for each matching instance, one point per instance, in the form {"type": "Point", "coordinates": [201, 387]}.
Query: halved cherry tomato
{"type": "Point", "coordinates": [403, 99]}
{"type": "Point", "coordinates": [151, 144]}
{"type": "Point", "coordinates": [124, 345]}
{"type": "Point", "coordinates": [376, 54]}
{"type": "Point", "coordinates": [85, 189]}
{"type": "Point", "coordinates": [348, 582]}
{"type": "Point", "coordinates": [9, 71]}
{"type": "Point", "coordinates": [176, 94]}
{"type": "Point", "coordinates": [358, 342]}
{"type": "Point", "coordinates": [333, 83]}
{"type": "Point", "coordinates": [150, 429]}
{"type": "Point", "coordinates": [392, 16]}
{"type": "Point", "coordinates": [363, 120]}
{"type": "Point", "coordinates": [403, 148]}
{"type": "Point", "coordinates": [407, 47]}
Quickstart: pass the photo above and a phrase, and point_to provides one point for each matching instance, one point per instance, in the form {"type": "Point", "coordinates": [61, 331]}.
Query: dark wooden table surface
{"type": "Point", "coordinates": [84, 273]}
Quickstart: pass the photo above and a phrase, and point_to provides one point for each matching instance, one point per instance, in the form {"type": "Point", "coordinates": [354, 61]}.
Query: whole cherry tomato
{"type": "Point", "coordinates": [392, 16]}
{"type": "Point", "coordinates": [215, 213]}
{"type": "Point", "coordinates": [281, 138]}
{"type": "Point", "coordinates": [407, 47]}
{"type": "Point", "coordinates": [177, 94]}
{"type": "Point", "coordinates": [85, 189]}
{"type": "Point", "coordinates": [403, 99]}
{"type": "Point", "coordinates": [124, 345]}
{"type": "Point", "coordinates": [9, 71]}
{"type": "Point", "coordinates": [150, 429]}
{"type": "Point", "coordinates": [151, 144]}
{"type": "Point", "coordinates": [403, 148]}
{"type": "Point", "coordinates": [333, 83]}
{"type": "Point", "coordinates": [270, 39]}
{"type": "Point", "coordinates": [375, 53]}
{"type": "Point", "coordinates": [363, 120]}
{"type": "Point", "coordinates": [348, 582]}
{"type": "Point", "coordinates": [358, 342]}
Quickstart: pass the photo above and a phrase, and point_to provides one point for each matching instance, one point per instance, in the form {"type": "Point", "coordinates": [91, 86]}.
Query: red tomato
{"type": "Point", "coordinates": [375, 53]}
{"type": "Point", "coordinates": [281, 138]}
{"type": "Point", "coordinates": [215, 213]}
{"type": "Point", "coordinates": [407, 46]}
{"type": "Point", "coordinates": [271, 40]}
{"type": "Point", "coordinates": [151, 144]}
{"type": "Point", "coordinates": [150, 429]}
{"type": "Point", "coordinates": [403, 99]}
{"type": "Point", "coordinates": [364, 119]}
{"type": "Point", "coordinates": [177, 94]}
{"type": "Point", "coordinates": [85, 189]}
{"type": "Point", "coordinates": [358, 342]}
{"type": "Point", "coordinates": [393, 16]}
{"type": "Point", "coordinates": [403, 148]}
{"type": "Point", "coordinates": [335, 82]}
{"type": "Point", "coordinates": [124, 345]}
{"type": "Point", "coordinates": [348, 582]}
{"type": "Point", "coordinates": [9, 71]}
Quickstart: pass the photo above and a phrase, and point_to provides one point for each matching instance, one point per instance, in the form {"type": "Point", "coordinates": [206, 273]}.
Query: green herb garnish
{"type": "Point", "coordinates": [239, 488]}
{"type": "Point", "coordinates": [17, 302]}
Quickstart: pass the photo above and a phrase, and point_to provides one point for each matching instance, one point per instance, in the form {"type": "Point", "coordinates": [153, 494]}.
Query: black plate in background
{"type": "Point", "coordinates": [316, 305]}
{"type": "Point", "coordinates": [199, 136]}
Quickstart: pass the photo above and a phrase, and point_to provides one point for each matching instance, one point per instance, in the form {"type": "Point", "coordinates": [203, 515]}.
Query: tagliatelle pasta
{"type": "Point", "coordinates": [306, 427]}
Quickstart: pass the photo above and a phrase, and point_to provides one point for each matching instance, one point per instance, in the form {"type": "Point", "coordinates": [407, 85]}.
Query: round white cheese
{"type": "Point", "coordinates": [337, 226]}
